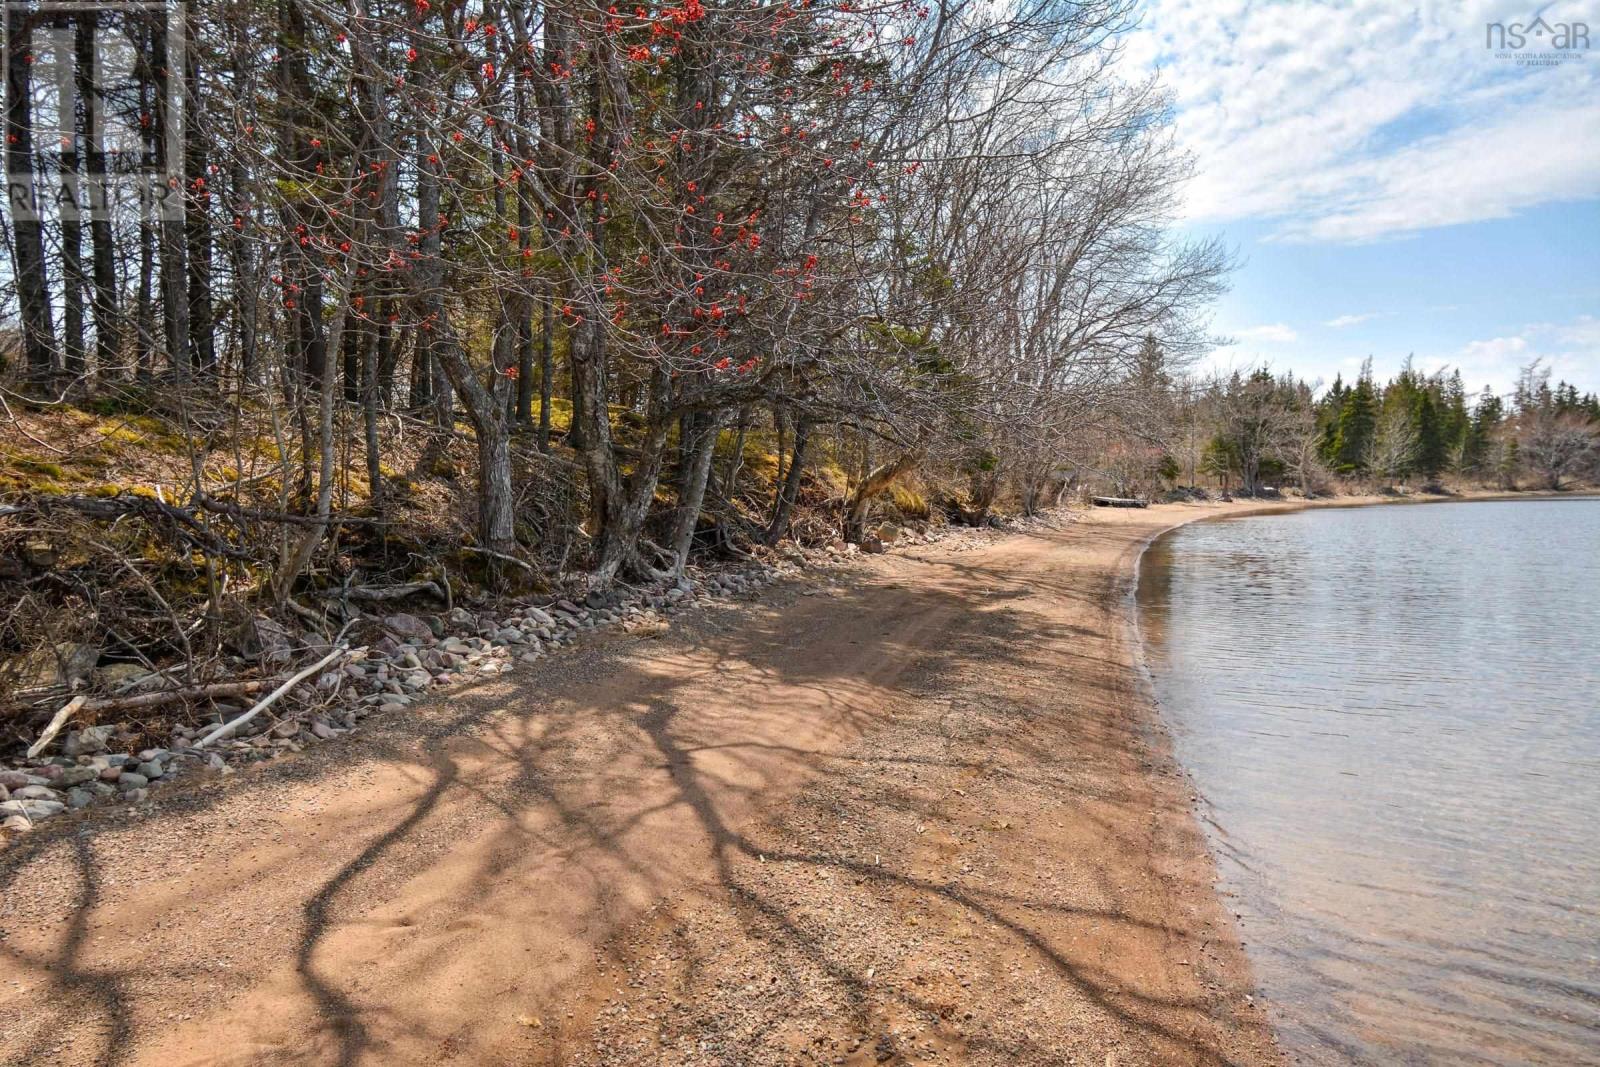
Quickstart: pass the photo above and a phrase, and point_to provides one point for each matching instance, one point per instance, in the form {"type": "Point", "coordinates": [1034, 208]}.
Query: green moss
{"type": "Point", "coordinates": [909, 503]}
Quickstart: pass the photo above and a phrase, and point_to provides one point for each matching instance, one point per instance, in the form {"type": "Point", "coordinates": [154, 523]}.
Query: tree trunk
{"type": "Point", "coordinates": [693, 474]}
{"type": "Point", "coordinates": [547, 368]}
{"type": "Point", "coordinates": [789, 489]}
{"type": "Point", "coordinates": [876, 481]}
{"type": "Point", "coordinates": [107, 330]}
{"type": "Point", "coordinates": [202, 324]}
{"type": "Point", "coordinates": [27, 229]}
{"type": "Point", "coordinates": [174, 272]}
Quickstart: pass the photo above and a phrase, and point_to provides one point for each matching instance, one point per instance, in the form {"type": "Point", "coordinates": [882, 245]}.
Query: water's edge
{"type": "Point", "coordinates": [1165, 727]}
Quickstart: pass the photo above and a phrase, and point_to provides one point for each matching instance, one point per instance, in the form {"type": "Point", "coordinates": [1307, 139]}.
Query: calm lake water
{"type": "Point", "coordinates": [1393, 717]}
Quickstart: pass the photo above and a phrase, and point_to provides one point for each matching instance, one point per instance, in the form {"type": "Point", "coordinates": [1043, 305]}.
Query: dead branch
{"type": "Point", "coordinates": [57, 721]}
{"type": "Point", "coordinates": [397, 592]}
{"type": "Point", "coordinates": [271, 698]}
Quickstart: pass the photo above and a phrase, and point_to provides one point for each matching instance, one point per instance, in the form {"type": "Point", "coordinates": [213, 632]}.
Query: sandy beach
{"type": "Point", "coordinates": [922, 811]}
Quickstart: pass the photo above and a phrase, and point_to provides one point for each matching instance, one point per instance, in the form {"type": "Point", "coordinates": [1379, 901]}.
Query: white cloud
{"type": "Point", "coordinates": [1571, 350]}
{"type": "Point", "coordinates": [1358, 121]}
{"type": "Point", "coordinates": [1272, 333]}
{"type": "Point", "coordinates": [1349, 320]}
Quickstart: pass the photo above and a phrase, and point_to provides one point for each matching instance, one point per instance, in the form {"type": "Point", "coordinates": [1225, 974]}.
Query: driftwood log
{"type": "Point", "coordinates": [1120, 502]}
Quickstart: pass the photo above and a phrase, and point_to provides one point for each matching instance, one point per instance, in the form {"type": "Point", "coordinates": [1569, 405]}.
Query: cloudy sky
{"type": "Point", "coordinates": [1392, 185]}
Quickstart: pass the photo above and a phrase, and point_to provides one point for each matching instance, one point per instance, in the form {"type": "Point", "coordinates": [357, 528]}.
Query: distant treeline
{"type": "Point", "coordinates": [1254, 429]}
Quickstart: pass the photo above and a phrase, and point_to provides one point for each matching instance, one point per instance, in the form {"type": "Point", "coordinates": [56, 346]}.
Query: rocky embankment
{"type": "Point", "coordinates": [405, 657]}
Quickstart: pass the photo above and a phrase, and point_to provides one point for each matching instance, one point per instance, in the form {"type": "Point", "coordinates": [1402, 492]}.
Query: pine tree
{"type": "Point", "coordinates": [1426, 424]}
{"type": "Point", "coordinates": [1358, 420]}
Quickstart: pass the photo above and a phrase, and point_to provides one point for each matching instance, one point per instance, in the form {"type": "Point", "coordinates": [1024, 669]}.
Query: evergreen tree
{"type": "Point", "coordinates": [1358, 420]}
{"type": "Point", "coordinates": [1426, 423]}
{"type": "Point", "coordinates": [1454, 421]}
{"type": "Point", "coordinates": [1481, 432]}
{"type": "Point", "coordinates": [1328, 411]}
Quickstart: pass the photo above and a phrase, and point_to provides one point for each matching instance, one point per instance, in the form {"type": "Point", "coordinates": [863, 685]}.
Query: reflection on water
{"type": "Point", "coordinates": [1393, 715]}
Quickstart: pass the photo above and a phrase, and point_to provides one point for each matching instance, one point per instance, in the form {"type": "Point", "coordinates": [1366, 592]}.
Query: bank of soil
{"type": "Point", "coordinates": [920, 813]}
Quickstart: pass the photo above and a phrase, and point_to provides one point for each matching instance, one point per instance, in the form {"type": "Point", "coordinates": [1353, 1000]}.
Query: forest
{"type": "Point", "coordinates": [1264, 432]}
{"type": "Point", "coordinates": [312, 304]}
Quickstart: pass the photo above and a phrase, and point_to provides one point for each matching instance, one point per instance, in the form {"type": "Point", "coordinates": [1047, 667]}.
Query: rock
{"type": "Point", "coordinates": [77, 776]}
{"type": "Point", "coordinates": [329, 681]}
{"type": "Point", "coordinates": [32, 810]}
{"type": "Point", "coordinates": [889, 533]}
{"type": "Point", "coordinates": [35, 792]}
{"type": "Point", "coordinates": [871, 544]}
{"type": "Point", "coordinates": [391, 706]}
{"type": "Point", "coordinates": [154, 754]}
{"type": "Point", "coordinates": [407, 626]}
{"type": "Point", "coordinates": [17, 824]}
{"type": "Point", "coordinates": [136, 796]}
{"type": "Point", "coordinates": [79, 798]}
{"type": "Point", "coordinates": [323, 730]}
{"type": "Point", "coordinates": [5, 794]}
{"type": "Point", "coordinates": [132, 780]}
{"type": "Point", "coordinates": [18, 779]}
{"type": "Point", "coordinates": [268, 640]}
{"type": "Point", "coordinates": [64, 663]}
{"type": "Point", "coordinates": [151, 770]}
{"type": "Point", "coordinates": [540, 617]}
{"type": "Point", "coordinates": [87, 741]}
{"type": "Point", "coordinates": [111, 774]}
{"type": "Point", "coordinates": [123, 677]}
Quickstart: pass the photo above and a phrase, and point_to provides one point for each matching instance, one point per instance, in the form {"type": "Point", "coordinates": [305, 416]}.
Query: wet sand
{"type": "Point", "coordinates": [921, 813]}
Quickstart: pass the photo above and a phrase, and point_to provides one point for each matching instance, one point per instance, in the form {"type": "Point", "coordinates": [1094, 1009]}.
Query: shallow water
{"type": "Point", "coordinates": [1393, 717]}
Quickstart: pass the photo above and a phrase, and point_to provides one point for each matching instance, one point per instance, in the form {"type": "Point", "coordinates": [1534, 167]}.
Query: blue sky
{"type": "Point", "coordinates": [1392, 186]}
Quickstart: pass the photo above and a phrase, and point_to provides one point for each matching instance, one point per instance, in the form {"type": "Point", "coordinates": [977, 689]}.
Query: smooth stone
{"type": "Point", "coordinates": [151, 770]}
{"type": "Point", "coordinates": [89, 740]}
{"type": "Point", "coordinates": [35, 792]}
{"type": "Point", "coordinates": [131, 780]}
{"type": "Point", "coordinates": [18, 779]}
{"type": "Point", "coordinates": [32, 809]}
{"type": "Point", "coordinates": [79, 798]}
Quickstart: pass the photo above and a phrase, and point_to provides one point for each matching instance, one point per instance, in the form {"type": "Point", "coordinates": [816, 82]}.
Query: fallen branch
{"type": "Point", "coordinates": [166, 696]}
{"type": "Point", "coordinates": [57, 721]}
{"type": "Point", "coordinates": [388, 592]}
{"type": "Point", "coordinates": [497, 555]}
{"type": "Point", "coordinates": [271, 698]}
